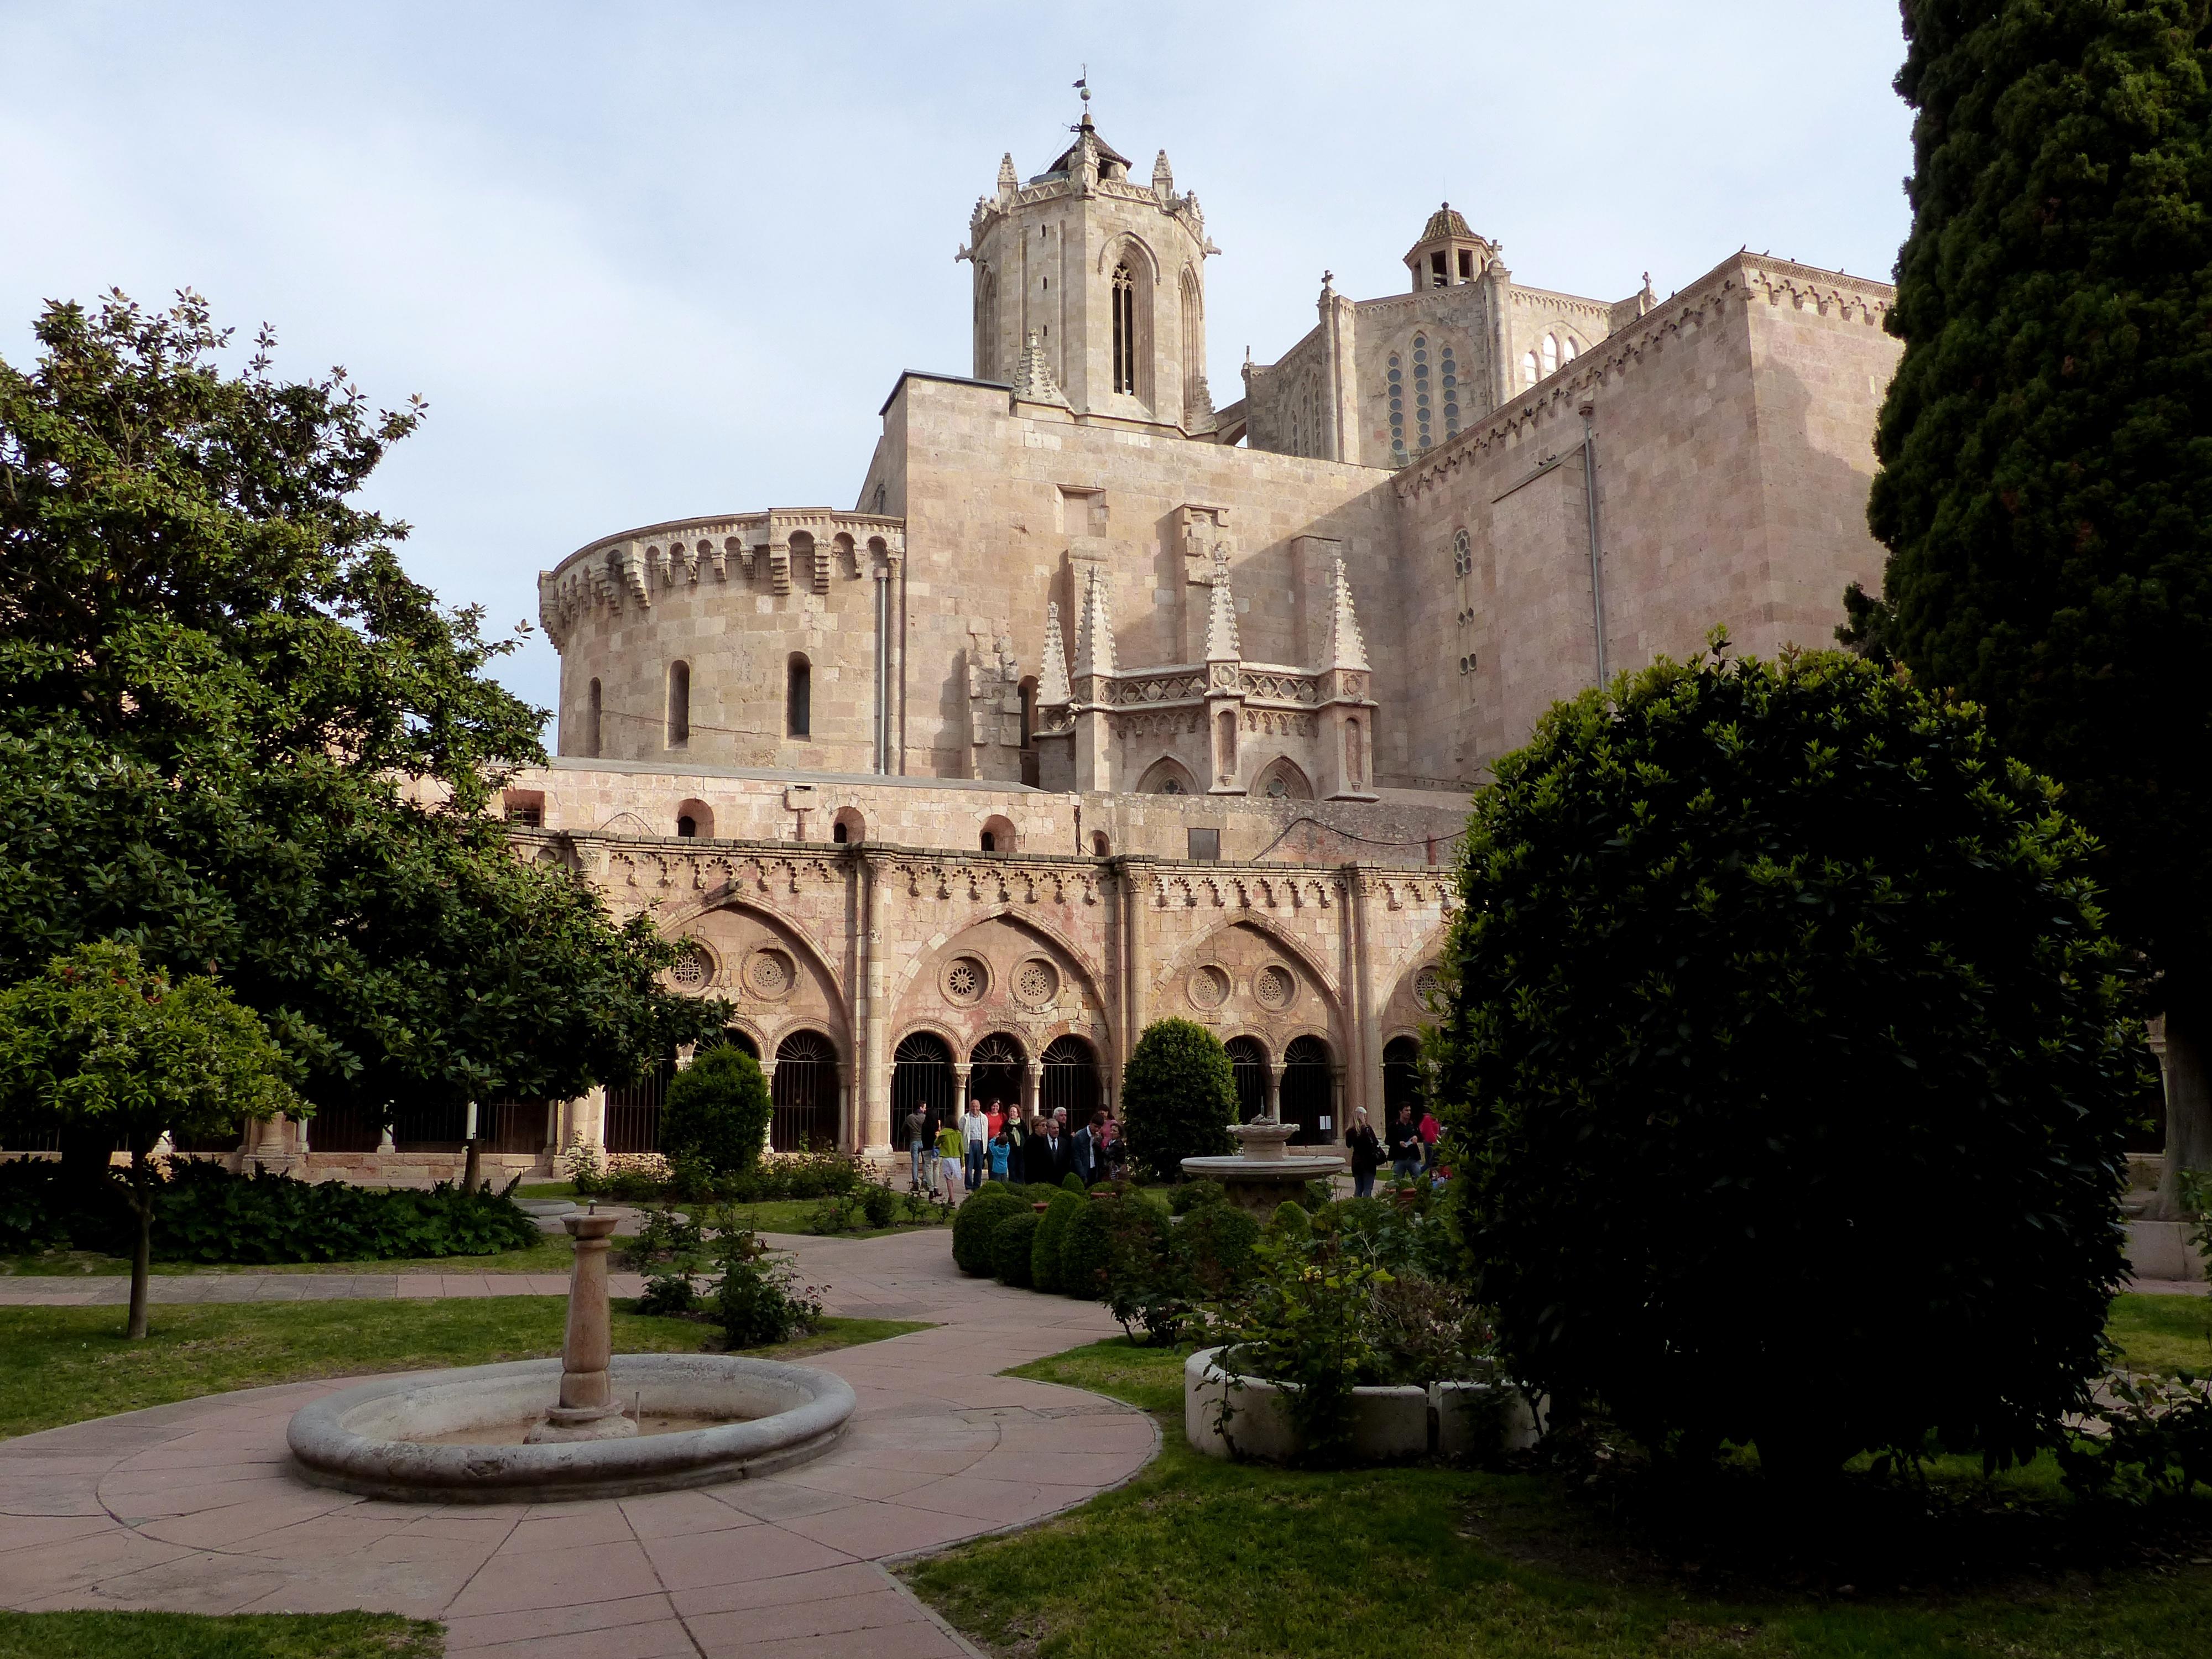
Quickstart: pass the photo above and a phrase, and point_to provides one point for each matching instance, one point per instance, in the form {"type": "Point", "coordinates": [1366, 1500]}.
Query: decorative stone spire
{"type": "Point", "coordinates": [1052, 678]}
{"type": "Point", "coordinates": [1094, 631]}
{"type": "Point", "coordinates": [1346, 648]}
{"type": "Point", "coordinates": [1033, 380]}
{"type": "Point", "coordinates": [1162, 177]}
{"type": "Point", "coordinates": [1221, 644]}
{"type": "Point", "coordinates": [1009, 180]}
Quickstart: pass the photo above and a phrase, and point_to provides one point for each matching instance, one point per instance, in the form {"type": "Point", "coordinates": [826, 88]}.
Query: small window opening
{"type": "Point", "coordinates": [1438, 276]}
{"type": "Point", "coordinates": [1101, 847]}
{"type": "Point", "coordinates": [1467, 264]}
{"type": "Point", "coordinates": [1125, 330]}
{"type": "Point", "coordinates": [990, 842]}
{"type": "Point", "coordinates": [686, 826]}
{"type": "Point", "coordinates": [679, 704]}
{"type": "Point", "coordinates": [593, 715]}
{"type": "Point", "coordinates": [799, 699]}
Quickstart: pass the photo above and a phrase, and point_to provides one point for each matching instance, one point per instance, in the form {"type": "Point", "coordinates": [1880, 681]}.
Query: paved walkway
{"type": "Point", "coordinates": [192, 1507]}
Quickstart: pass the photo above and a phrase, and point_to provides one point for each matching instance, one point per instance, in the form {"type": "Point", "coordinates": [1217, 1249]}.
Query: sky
{"type": "Point", "coordinates": [668, 259]}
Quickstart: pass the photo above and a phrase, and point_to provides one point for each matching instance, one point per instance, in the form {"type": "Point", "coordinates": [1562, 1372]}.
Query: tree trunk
{"type": "Point", "coordinates": [471, 1168]}
{"type": "Point", "coordinates": [142, 1252]}
{"type": "Point", "coordinates": [2188, 1094]}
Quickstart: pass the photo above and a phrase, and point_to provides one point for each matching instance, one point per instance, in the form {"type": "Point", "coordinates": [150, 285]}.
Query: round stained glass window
{"type": "Point", "coordinates": [1209, 987]}
{"type": "Point", "coordinates": [1035, 982]}
{"type": "Point", "coordinates": [1273, 987]}
{"type": "Point", "coordinates": [769, 975]}
{"type": "Point", "coordinates": [965, 981]}
{"type": "Point", "coordinates": [694, 970]}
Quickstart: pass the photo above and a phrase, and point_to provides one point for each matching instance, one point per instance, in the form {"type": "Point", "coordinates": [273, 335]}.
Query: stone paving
{"type": "Point", "coordinates": [193, 1507]}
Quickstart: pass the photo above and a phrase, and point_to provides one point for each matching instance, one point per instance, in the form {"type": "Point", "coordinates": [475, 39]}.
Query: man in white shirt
{"type": "Point", "coordinates": [976, 1136]}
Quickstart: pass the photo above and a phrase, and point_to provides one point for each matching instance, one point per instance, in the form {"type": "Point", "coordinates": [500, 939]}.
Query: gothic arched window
{"type": "Point", "coordinates": [1125, 329]}
{"type": "Point", "coordinates": [1421, 388]}
{"type": "Point", "coordinates": [1451, 395]}
{"type": "Point", "coordinates": [1463, 554]}
{"type": "Point", "coordinates": [1527, 368]}
{"type": "Point", "coordinates": [1550, 353]}
{"type": "Point", "coordinates": [1397, 412]}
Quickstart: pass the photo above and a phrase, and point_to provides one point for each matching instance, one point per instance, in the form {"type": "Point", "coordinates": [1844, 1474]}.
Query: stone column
{"type": "Point", "coordinates": [875, 1127]}
{"type": "Point", "coordinates": [1274, 1113]}
{"type": "Point", "coordinates": [1033, 1089]}
{"type": "Point", "coordinates": [1136, 961]}
{"type": "Point", "coordinates": [587, 1410]}
{"type": "Point", "coordinates": [961, 1071]}
{"type": "Point", "coordinates": [591, 1119]}
{"type": "Point", "coordinates": [1366, 1087]}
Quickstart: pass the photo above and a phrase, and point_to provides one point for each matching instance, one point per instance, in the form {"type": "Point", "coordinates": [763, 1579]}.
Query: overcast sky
{"type": "Point", "coordinates": [668, 259]}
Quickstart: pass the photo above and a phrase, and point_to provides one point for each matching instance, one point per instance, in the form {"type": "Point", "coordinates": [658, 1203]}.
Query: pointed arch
{"type": "Point", "coordinates": [1184, 959]}
{"type": "Point", "coordinates": [1089, 973]}
{"type": "Point", "coordinates": [1165, 771]}
{"type": "Point", "coordinates": [1282, 771]}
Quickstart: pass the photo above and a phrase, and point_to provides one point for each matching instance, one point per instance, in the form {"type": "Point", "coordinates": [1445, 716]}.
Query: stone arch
{"type": "Point", "coordinates": [1184, 959]}
{"type": "Point", "coordinates": [998, 835]}
{"type": "Point", "coordinates": [848, 827]}
{"type": "Point", "coordinates": [789, 935]}
{"type": "Point", "coordinates": [1161, 772]}
{"type": "Point", "coordinates": [1116, 248]}
{"type": "Point", "coordinates": [698, 816]}
{"type": "Point", "coordinates": [1295, 785]}
{"type": "Point", "coordinates": [1088, 977]}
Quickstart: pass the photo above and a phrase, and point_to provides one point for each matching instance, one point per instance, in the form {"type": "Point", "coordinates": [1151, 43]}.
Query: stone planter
{"type": "Point", "coordinates": [1389, 1425]}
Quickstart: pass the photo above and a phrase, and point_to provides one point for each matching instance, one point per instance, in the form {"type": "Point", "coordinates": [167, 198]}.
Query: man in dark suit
{"type": "Point", "coordinates": [1087, 1152]}
{"type": "Point", "coordinates": [1049, 1154]}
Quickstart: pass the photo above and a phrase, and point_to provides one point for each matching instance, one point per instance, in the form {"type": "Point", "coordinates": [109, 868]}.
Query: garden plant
{"type": "Point", "coordinates": [1178, 1097]}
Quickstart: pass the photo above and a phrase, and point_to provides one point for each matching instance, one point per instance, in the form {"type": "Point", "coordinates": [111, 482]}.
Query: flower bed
{"type": "Point", "coordinates": [1228, 1415]}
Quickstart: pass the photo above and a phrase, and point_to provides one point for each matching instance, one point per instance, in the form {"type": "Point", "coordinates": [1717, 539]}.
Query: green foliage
{"type": "Point", "coordinates": [1073, 1182]}
{"type": "Point", "coordinates": [1788, 1047]}
{"type": "Point", "coordinates": [974, 1222]}
{"type": "Point", "coordinates": [758, 1300]}
{"type": "Point", "coordinates": [1303, 1323]}
{"type": "Point", "coordinates": [2044, 486]}
{"type": "Point", "coordinates": [1013, 1248]}
{"type": "Point", "coordinates": [1290, 1223]}
{"type": "Point", "coordinates": [1087, 1249]}
{"type": "Point", "coordinates": [225, 1635]}
{"type": "Point", "coordinates": [2156, 1443]}
{"type": "Point", "coordinates": [1214, 1246]}
{"type": "Point", "coordinates": [880, 1204]}
{"type": "Point", "coordinates": [717, 1110]}
{"type": "Point", "coordinates": [215, 674]}
{"type": "Point", "coordinates": [1052, 1230]}
{"type": "Point", "coordinates": [1178, 1097]}
{"type": "Point", "coordinates": [1193, 1194]}
{"type": "Point", "coordinates": [203, 1212]}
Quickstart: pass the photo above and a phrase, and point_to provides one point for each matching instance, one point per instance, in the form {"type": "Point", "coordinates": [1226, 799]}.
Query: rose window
{"type": "Point", "coordinates": [1035, 982]}
{"type": "Point", "coordinates": [1426, 984]}
{"type": "Point", "coordinates": [770, 975]}
{"type": "Point", "coordinates": [694, 970]}
{"type": "Point", "coordinates": [1273, 987]}
{"type": "Point", "coordinates": [965, 981]}
{"type": "Point", "coordinates": [1209, 987]}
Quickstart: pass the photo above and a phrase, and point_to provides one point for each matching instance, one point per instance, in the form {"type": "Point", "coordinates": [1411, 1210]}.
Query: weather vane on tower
{"type": "Point", "coordinates": [1083, 86]}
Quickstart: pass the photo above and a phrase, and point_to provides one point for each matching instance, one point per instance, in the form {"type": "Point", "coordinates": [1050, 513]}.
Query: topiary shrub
{"type": "Point", "coordinates": [716, 1111]}
{"type": "Point", "coordinates": [1786, 1045]}
{"type": "Point", "coordinates": [1215, 1244]}
{"type": "Point", "coordinates": [1290, 1223]}
{"type": "Point", "coordinates": [1052, 1228]}
{"type": "Point", "coordinates": [1192, 1194]}
{"type": "Point", "coordinates": [1073, 1182]}
{"type": "Point", "coordinates": [1178, 1098]}
{"type": "Point", "coordinates": [1111, 1234]}
{"type": "Point", "coordinates": [1013, 1247]}
{"type": "Point", "coordinates": [972, 1226]}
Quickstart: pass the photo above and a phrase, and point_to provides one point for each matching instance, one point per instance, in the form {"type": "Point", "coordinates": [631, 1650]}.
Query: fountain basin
{"type": "Point", "coordinates": [395, 1436]}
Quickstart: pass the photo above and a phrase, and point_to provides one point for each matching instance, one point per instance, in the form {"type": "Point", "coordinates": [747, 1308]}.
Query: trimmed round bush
{"type": "Point", "coordinates": [1013, 1243]}
{"type": "Point", "coordinates": [1193, 1194]}
{"type": "Point", "coordinates": [1073, 1182]}
{"type": "Point", "coordinates": [716, 1111]}
{"type": "Point", "coordinates": [973, 1222]}
{"type": "Point", "coordinates": [1291, 1222]}
{"type": "Point", "coordinates": [1111, 1234]}
{"type": "Point", "coordinates": [1178, 1098]}
{"type": "Point", "coordinates": [1216, 1242]}
{"type": "Point", "coordinates": [1052, 1229]}
{"type": "Point", "coordinates": [1787, 1048]}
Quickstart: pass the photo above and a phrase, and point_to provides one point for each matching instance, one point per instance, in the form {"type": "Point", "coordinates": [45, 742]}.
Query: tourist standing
{"type": "Point", "coordinates": [1002, 1154]}
{"type": "Point", "coordinates": [1366, 1153]}
{"type": "Point", "coordinates": [976, 1131]}
{"type": "Point", "coordinates": [949, 1149]}
{"type": "Point", "coordinates": [1404, 1145]}
{"type": "Point", "coordinates": [994, 1119]}
{"type": "Point", "coordinates": [1431, 1131]}
{"type": "Point", "coordinates": [1086, 1152]}
{"type": "Point", "coordinates": [917, 1142]}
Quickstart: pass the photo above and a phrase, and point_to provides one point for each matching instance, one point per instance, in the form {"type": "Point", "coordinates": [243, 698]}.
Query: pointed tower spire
{"type": "Point", "coordinates": [1033, 380]}
{"type": "Point", "coordinates": [1221, 644]}
{"type": "Point", "coordinates": [1052, 678]}
{"type": "Point", "coordinates": [1346, 648]}
{"type": "Point", "coordinates": [1009, 180]}
{"type": "Point", "coordinates": [1094, 632]}
{"type": "Point", "coordinates": [1162, 177]}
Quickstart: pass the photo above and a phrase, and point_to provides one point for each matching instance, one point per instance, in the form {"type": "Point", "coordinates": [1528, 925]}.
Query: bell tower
{"type": "Point", "coordinates": [1108, 274]}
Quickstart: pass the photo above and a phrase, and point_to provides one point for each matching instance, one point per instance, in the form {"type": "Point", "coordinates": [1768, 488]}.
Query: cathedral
{"type": "Point", "coordinates": [1108, 702]}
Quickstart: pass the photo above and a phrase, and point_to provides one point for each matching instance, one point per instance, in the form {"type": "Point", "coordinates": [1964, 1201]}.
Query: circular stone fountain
{"type": "Point", "coordinates": [1263, 1172]}
{"type": "Point", "coordinates": [588, 1425]}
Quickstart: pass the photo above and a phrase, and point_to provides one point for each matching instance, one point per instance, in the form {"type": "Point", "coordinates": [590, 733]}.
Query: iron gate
{"type": "Point", "coordinates": [1309, 1098]}
{"type": "Point", "coordinates": [921, 1075]}
{"type": "Point", "coordinates": [633, 1122]}
{"type": "Point", "coordinates": [805, 1094]}
{"type": "Point", "coordinates": [1402, 1077]}
{"type": "Point", "coordinates": [1070, 1079]}
{"type": "Point", "coordinates": [996, 1071]}
{"type": "Point", "coordinates": [1247, 1065]}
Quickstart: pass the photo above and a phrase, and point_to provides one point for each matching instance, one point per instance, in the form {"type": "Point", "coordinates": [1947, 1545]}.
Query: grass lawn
{"type": "Point", "coordinates": [552, 1254]}
{"type": "Point", "coordinates": [65, 1364]}
{"type": "Point", "coordinates": [1199, 1558]}
{"type": "Point", "coordinates": [2164, 1333]}
{"type": "Point", "coordinates": [188, 1636]}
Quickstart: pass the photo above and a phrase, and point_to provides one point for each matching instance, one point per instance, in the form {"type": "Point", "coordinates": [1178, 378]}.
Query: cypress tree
{"type": "Point", "coordinates": [2045, 450]}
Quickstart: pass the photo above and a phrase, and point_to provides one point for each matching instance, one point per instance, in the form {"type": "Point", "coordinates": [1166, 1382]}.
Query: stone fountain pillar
{"type": "Point", "coordinates": [1264, 1171]}
{"type": "Point", "coordinates": [588, 1410]}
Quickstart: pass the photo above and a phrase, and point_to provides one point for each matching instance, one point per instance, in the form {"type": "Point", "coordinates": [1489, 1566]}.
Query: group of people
{"type": "Point", "coordinates": [988, 1140]}
{"type": "Point", "coordinates": [1409, 1147]}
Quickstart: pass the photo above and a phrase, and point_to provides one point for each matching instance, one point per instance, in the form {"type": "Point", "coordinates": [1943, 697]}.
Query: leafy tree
{"type": "Point", "coordinates": [1178, 1097]}
{"type": "Point", "coordinates": [100, 1040]}
{"type": "Point", "coordinates": [214, 677]}
{"type": "Point", "coordinates": [2046, 482]}
{"type": "Point", "coordinates": [717, 1109]}
{"type": "Point", "coordinates": [1788, 1052]}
